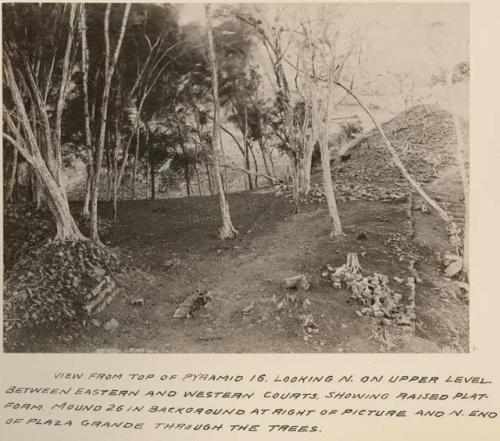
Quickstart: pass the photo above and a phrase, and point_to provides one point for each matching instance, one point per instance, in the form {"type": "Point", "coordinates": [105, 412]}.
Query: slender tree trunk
{"type": "Point", "coordinates": [197, 178]}
{"type": "Point", "coordinates": [136, 160]}
{"type": "Point", "coordinates": [109, 174]}
{"type": "Point", "coordinates": [152, 171]}
{"type": "Point", "coordinates": [88, 184]}
{"type": "Point", "coordinates": [306, 183]}
{"type": "Point", "coordinates": [397, 161]}
{"type": "Point", "coordinates": [186, 177]}
{"type": "Point", "coordinates": [209, 179]}
{"type": "Point", "coordinates": [13, 178]}
{"type": "Point", "coordinates": [86, 112]}
{"type": "Point", "coordinates": [295, 184]}
{"type": "Point", "coordinates": [256, 176]}
{"type": "Point", "coordinates": [227, 231]}
{"type": "Point", "coordinates": [117, 148]}
{"type": "Point", "coordinates": [329, 191]}
{"type": "Point", "coordinates": [271, 160]}
{"type": "Point", "coordinates": [264, 160]}
{"type": "Point", "coordinates": [460, 157]}
{"type": "Point", "coordinates": [110, 64]}
{"type": "Point", "coordinates": [37, 192]}
{"type": "Point", "coordinates": [245, 144]}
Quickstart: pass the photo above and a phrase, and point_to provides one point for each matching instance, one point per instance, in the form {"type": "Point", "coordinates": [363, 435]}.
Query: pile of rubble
{"type": "Point", "coordinates": [424, 138]}
{"type": "Point", "coordinates": [374, 294]}
{"type": "Point", "coordinates": [345, 192]}
{"type": "Point", "coordinates": [60, 282]}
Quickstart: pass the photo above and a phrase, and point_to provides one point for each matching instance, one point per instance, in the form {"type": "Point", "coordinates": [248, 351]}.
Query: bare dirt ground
{"type": "Point", "coordinates": [250, 271]}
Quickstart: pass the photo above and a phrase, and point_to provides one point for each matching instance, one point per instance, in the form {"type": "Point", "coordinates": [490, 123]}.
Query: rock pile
{"type": "Point", "coordinates": [193, 303]}
{"type": "Point", "coordinates": [60, 281]}
{"type": "Point", "coordinates": [374, 294]}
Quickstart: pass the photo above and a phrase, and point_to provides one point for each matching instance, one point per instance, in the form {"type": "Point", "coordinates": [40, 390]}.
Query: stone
{"type": "Point", "coordinates": [361, 236]}
{"type": "Point", "coordinates": [453, 268]}
{"type": "Point", "coordinates": [111, 325]}
{"type": "Point", "coordinates": [299, 281]}
{"type": "Point", "coordinates": [248, 309]}
{"type": "Point", "coordinates": [137, 302]}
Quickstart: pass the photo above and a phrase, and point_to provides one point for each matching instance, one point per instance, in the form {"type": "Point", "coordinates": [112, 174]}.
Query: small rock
{"type": "Point", "coordinates": [248, 309]}
{"type": "Point", "coordinates": [299, 281]}
{"type": "Point", "coordinates": [361, 236]}
{"type": "Point", "coordinates": [95, 322]}
{"type": "Point", "coordinates": [453, 268]}
{"type": "Point", "coordinates": [111, 325]}
{"type": "Point", "coordinates": [137, 302]}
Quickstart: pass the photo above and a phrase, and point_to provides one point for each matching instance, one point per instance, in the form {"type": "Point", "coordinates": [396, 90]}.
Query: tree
{"type": "Point", "coordinates": [227, 231]}
{"type": "Point", "coordinates": [110, 61]}
{"type": "Point", "coordinates": [38, 52]}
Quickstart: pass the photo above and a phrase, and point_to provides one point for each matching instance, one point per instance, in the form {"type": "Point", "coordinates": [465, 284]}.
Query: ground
{"type": "Point", "coordinates": [173, 250]}
{"type": "Point", "coordinates": [273, 244]}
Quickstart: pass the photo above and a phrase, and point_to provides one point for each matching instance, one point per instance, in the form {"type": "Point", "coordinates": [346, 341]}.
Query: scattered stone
{"type": "Point", "coordinates": [374, 293]}
{"type": "Point", "coordinates": [453, 268]}
{"type": "Point", "coordinates": [172, 263]}
{"type": "Point", "coordinates": [361, 236]}
{"type": "Point", "coordinates": [309, 326]}
{"type": "Point", "coordinates": [111, 325]}
{"type": "Point", "coordinates": [95, 322]}
{"type": "Point", "coordinates": [248, 309]}
{"type": "Point", "coordinates": [193, 303]}
{"type": "Point", "coordinates": [299, 281]}
{"type": "Point", "coordinates": [137, 302]}
{"type": "Point", "coordinates": [462, 285]}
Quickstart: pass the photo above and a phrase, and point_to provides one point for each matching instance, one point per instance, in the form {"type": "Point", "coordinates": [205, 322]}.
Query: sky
{"type": "Point", "coordinates": [400, 37]}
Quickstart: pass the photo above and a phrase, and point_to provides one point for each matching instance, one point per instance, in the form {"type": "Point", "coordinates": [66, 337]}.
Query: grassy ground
{"type": "Point", "coordinates": [273, 245]}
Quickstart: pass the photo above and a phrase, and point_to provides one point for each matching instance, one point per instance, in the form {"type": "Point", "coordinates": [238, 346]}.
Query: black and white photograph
{"type": "Point", "coordinates": [235, 178]}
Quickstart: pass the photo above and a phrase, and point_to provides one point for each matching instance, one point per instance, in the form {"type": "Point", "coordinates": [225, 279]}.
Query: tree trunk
{"type": "Point", "coordinates": [245, 143]}
{"type": "Point", "coordinates": [136, 160]}
{"type": "Point", "coordinates": [186, 177]}
{"type": "Point", "coordinates": [117, 148]}
{"type": "Point", "coordinates": [37, 192]}
{"type": "Point", "coordinates": [26, 143]}
{"type": "Point", "coordinates": [264, 160]}
{"type": "Point", "coordinates": [152, 175]}
{"type": "Point", "coordinates": [86, 112]}
{"type": "Point", "coordinates": [88, 184]}
{"type": "Point", "coordinates": [209, 179]}
{"type": "Point", "coordinates": [329, 191]}
{"type": "Point", "coordinates": [295, 184]}
{"type": "Point", "coordinates": [460, 157]}
{"type": "Point", "coordinates": [197, 178]}
{"type": "Point", "coordinates": [227, 231]}
{"type": "Point", "coordinates": [13, 177]}
{"type": "Point", "coordinates": [256, 176]}
{"type": "Point", "coordinates": [397, 161]}
{"type": "Point", "coordinates": [109, 66]}
{"type": "Point", "coordinates": [306, 181]}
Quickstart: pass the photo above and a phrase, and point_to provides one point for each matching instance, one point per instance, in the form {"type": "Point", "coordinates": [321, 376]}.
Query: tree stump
{"type": "Point", "coordinates": [352, 263]}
